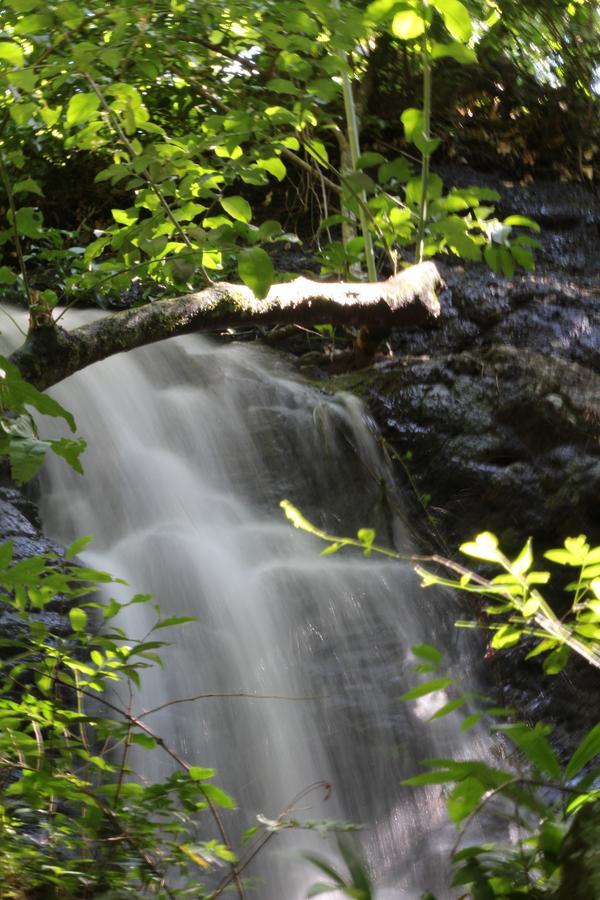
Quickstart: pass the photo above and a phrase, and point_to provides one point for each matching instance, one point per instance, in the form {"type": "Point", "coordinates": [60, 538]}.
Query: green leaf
{"type": "Point", "coordinates": [456, 18]}
{"type": "Point", "coordinates": [407, 25]}
{"type": "Point", "coordinates": [50, 116]}
{"type": "Point", "coordinates": [427, 652]}
{"type": "Point", "coordinates": [6, 555]}
{"type": "Point", "coordinates": [7, 276]}
{"type": "Point", "coordinates": [506, 636]}
{"type": "Point", "coordinates": [524, 221]}
{"type": "Point", "coordinates": [356, 182]}
{"type": "Point", "coordinates": [470, 721]}
{"type": "Point", "coordinates": [318, 151]}
{"type": "Point", "coordinates": [523, 257]}
{"type": "Point", "coordinates": [274, 166]}
{"type": "Point", "coordinates": [282, 86]}
{"type": "Point", "coordinates": [325, 867]}
{"type": "Point", "coordinates": [524, 561]}
{"type": "Point", "coordinates": [413, 120]}
{"type": "Point", "coordinates": [70, 451]}
{"type": "Point", "coordinates": [256, 271]}
{"type": "Point", "coordinates": [437, 777]}
{"type": "Point", "coordinates": [485, 546]}
{"type": "Point", "coordinates": [11, 53]}
{"type": "Point", "coordinates": [465, 798]}
{"type": "Point", "coordinates": [217, 795]}
{"type": "Point", "coordinates": [536, 747]}
{"type": "Point", "coordinates": [29, 222]}
{"type": "Point", "coordinates": [27, 185]}
{"type": "Point", "coordinates": [125, 216]}
{"type": "Point", "coordinates": [455, 50]}
{"type": "Point", "coordinates": [81, 108]}
{"type": "Point", "coordinates": [171, 621]}
{"type": "Point", "coordinates": [26, 458]}
{"type": "Point", "coordinates": [448, 708]}
{"type": "Point", "coordinates": [76, 547]}
{"type": "Point", "coordinates": [368, 159]}
{"type": "Point", "coordinates": [78, 618]}
{"type": "Point", "coordinates": [398, 169]}
{"type": "Point", "coordinates": [586, 751]}
{"type": "Point", "coordinates": [531, 606]}
{"type": "Point", "coordinates": [428, 687]}
{"type": "Point", "coordinates": [238, 208]}
{"type": "Point", "coordinates": [200, 774]}
{"type": "Point", "coordinates": [332, 548]}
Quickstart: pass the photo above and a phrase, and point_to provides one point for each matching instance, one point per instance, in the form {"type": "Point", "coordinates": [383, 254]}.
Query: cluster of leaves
{"type": "Point", "coordinates": [78, 817]}
{"type": "Point", "coordinates": [19, 439]}
{"type": "Point", "coordinates": [521, 608]}
{"type": "Point", "coordinates": [535, 793]}
{"type": "Point", "coordinates": [181, 107]}
{"type": "Point", "coordinates": [75, 817]}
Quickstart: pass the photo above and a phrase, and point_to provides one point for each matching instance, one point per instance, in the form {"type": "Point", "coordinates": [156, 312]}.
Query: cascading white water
{"type": "Point", "coordinates": [192, 445]}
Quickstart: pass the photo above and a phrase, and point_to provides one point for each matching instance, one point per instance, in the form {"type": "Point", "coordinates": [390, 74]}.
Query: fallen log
{"type": "Point", "coordinates": [51, 354]}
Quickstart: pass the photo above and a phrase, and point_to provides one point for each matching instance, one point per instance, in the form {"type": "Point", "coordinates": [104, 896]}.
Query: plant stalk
{"type": "Point", "coordinates": [427, 136]}
{"type": "Point", "coordinates": [17, 238]}
{"type": "Point", "coordinates": [354, 145]}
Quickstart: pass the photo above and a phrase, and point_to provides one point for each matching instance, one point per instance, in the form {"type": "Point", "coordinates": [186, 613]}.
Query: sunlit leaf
{"type": "Point", "coordinates": [238, 208]}
{"type": "Point", "coordinates": [428, 687]}
{"type": "Point", "coordinates": [456, 18]}
{"type": "Point", "coordinates": [81, 108]}
{"type": "Point", "coordinates": [427, 652]}
{"type": "Point", "coordinates": [585, 752]}
{"type": "Point", "coordinates": [256, 270]}
{"type": "Point", "coordinates": [407, 25]}
{"type": "Point", "coordinates": [485, 546]}
{"type": "Point", "coordinates": [78, 618]}
{"type": "Point", "coordinates": [465, 798]}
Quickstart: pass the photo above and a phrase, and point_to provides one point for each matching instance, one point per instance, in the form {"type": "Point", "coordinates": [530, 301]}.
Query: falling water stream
{"type": "Point", "coordinates": [192, 444]}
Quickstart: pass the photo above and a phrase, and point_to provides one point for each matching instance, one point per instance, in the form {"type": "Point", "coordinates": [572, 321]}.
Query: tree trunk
{"type": "Point", "coordinates": [409, 298]}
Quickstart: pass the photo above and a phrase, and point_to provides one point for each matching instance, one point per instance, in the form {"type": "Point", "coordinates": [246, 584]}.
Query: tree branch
{"type": "Point", "coordinates": [409, 298]}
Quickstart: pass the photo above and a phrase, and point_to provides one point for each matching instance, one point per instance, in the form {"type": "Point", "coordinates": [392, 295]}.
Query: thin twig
{"type": "Point", "coordinates": [17, 239]}
{"type": "Point", "coordinates": [225, 695]}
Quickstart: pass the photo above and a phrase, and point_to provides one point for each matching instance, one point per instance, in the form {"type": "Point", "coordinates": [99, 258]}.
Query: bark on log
{"type": "Point", "coordinates": [409, 298]}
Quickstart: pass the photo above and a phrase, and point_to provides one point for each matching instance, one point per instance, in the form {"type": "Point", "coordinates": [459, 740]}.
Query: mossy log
{"type": "Point", "coordinates": [50, 354]}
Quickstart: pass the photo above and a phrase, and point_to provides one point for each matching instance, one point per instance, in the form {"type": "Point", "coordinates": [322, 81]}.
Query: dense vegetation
{"type": "Point", "coordinates": [169, 143]}
{"type": "Point", "coordinates": [155, 148]}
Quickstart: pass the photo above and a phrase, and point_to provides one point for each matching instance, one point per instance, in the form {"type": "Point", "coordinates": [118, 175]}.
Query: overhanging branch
{"type": "Point", "coordinates": [409, 298]}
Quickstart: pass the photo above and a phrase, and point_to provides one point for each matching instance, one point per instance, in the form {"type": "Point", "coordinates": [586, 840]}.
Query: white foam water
{"type": "Point", "coordinates": [192, 444]}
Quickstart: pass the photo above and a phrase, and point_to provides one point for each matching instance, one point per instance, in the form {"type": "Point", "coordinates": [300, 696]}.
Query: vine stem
{"type": "Point", "coordinates": [426, 134]}
{"type": "Point", "coordinates": [354, 146]}
{"type": "Point", "coordinates": [134, 720]}
{"type": "Point", "coordinates": [17, 238]}
{"type": "Point", "coordinates": [145, 171]}
{"type": "Point", "coordinates": [544, 617]}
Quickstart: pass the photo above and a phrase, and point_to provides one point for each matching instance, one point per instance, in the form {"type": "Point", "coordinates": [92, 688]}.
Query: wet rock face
{"type": "Point", "coordinates": [497, 403]}
{"type": "Point", "coordinates": [501, 438]}
{"type": "Point", "coordinates": [20, 524]}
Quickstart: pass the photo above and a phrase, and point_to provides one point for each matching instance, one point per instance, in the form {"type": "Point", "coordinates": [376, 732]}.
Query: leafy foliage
{"type": "Point", "coordinates": [184, 110]}
{"type": "Point", "coordinates": [18, 436]}
{"type": "Point", "coordinates": [75, 817]}
{"type": "Point", "coordinates": [78, 818]}
{"type": "Point", "coordinates": [537, 794]}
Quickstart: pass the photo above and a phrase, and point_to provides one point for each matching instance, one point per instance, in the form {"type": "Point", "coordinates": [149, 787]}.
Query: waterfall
{"type": "Point", "coordinates": [192, 444]}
